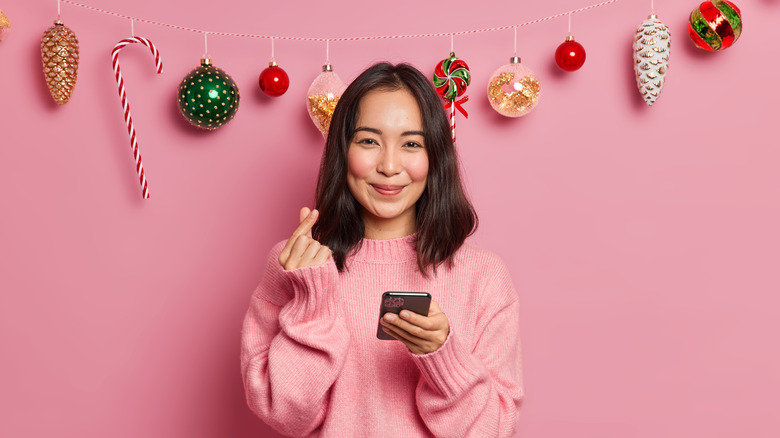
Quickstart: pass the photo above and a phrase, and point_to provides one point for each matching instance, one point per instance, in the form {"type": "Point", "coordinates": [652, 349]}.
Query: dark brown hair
{"type": "Point", "coordinates": [444, 215]}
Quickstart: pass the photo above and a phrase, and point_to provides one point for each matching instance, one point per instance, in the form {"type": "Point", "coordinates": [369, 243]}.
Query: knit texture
{"type": "Point", "coordinates": [313, 366]}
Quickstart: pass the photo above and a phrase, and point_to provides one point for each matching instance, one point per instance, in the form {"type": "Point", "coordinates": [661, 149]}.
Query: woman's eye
{"type": "Point", "coordinates": [367, 141]}
{"type": "Point", "coordinates": [412, 144]}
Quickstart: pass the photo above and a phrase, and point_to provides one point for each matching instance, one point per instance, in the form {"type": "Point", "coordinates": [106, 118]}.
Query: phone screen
{"type": "Point", "coordinates": [394, 302]}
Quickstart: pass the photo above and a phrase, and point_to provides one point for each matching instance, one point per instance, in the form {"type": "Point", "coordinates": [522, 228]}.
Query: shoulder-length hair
{"type": "Point", "coordinates": [444, 215]}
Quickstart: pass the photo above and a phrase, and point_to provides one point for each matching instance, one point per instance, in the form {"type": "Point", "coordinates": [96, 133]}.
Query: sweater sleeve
{"type": "Point", "coordinates": [293, 345]}
{"type": "Point", "coordinates": [476, 393]}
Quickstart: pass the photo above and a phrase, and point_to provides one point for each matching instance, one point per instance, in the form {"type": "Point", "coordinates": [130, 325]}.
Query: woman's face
{"type": "Point", "coordinates": [388, 162]}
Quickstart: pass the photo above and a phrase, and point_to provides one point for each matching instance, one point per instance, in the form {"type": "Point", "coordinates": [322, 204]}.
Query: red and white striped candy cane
{"type": "Point", "coordinates": [139, 167]}
{"type": "Point", "coordinates": [452, 122]}
{"type": "Point", "coordinates": [453, 105]}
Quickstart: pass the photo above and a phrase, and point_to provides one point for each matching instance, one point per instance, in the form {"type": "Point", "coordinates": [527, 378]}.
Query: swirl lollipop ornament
{"type": "Point", "coordinates": [451, 77]}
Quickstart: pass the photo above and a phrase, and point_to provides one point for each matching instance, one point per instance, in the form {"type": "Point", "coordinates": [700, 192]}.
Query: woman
{"type": "Point", "coordinates": [392, 217]}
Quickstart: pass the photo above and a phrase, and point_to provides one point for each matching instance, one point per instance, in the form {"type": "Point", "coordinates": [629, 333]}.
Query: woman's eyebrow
{"type": "Point", "coordinates": [365, 128]}
{"type": "Point", "coordinates": [379, 132]}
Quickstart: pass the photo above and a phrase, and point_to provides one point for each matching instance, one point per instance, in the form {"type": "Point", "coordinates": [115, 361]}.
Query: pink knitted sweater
{"type": "Point", "coordinates": [312, 365]}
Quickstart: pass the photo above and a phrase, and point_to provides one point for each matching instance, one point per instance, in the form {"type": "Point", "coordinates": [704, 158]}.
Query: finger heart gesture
{"type": "Point", "coordinates": [302, 249]}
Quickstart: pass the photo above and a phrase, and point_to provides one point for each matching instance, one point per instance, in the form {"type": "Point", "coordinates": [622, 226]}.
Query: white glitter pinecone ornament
{"type": "Point", "coordinates": [651, 57]}
{"type": "Point", "coordinates": [60, 58]}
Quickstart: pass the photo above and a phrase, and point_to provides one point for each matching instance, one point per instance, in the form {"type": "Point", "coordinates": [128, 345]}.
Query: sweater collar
{"type": "Point", "coordinates": [387, 250]}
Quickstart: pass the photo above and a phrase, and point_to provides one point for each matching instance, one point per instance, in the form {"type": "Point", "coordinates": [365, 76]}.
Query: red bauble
{"type": "Point", "coordinates": [273, 80]}
{"type": "Point", "coordinates": [570, 55]}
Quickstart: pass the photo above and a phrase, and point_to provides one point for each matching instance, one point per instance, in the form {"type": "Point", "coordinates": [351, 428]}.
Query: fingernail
{"type": "Point", "coordinates": [313, 214]}
{"type": "Point", "coordinates": [404, 314]}
{"type": "Point", "coordinates": [389, 317]}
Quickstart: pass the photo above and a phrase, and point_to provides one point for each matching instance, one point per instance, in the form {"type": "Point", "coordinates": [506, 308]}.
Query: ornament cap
{"type": "Point", "coordinates": [652, 16]}
{"type": "Point", "coordinates": [327, 67]}
{"type": "Point", "coordinates": [58, 23]}
{"type": "Point", "coordinates": [515, 60]}
{"type": "Point", "coordinates": [570, 38]}
{"type": "Point", "coordinates": [205, 61]}
{"type": "Point", "coordinates": [273, 64]}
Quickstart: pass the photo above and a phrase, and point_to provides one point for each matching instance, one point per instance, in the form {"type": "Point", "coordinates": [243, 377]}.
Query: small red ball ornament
{"type": "Point", "coordinates": [570, 55]}
{"type": "Point", "coordinates": [274, 80]}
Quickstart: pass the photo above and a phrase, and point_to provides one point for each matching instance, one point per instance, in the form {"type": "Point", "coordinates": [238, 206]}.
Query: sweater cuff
{"type": "Point", "coordinates": [450, 370]}
{"type": "Point", "coordinates": [313, 296]}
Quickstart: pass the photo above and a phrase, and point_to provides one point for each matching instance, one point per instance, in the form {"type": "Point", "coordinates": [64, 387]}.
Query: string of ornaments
{"type": "Point", "coordinates": [208, 97]}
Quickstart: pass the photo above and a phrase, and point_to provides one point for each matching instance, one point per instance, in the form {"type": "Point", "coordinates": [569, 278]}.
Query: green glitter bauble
{"type": "Point", "coordinates": [208, 97]}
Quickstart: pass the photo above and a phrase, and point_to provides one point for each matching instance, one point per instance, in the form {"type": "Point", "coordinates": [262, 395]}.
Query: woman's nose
{"type": "Point", "coordinates": [389, 162]}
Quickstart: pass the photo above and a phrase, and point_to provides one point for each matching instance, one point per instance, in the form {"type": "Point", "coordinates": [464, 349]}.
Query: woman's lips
{"type": "Point", "coordinates": [387, 190]}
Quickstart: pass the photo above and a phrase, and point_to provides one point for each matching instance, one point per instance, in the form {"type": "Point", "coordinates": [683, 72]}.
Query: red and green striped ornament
{"type": "Point", "coordinates": [715, 25]}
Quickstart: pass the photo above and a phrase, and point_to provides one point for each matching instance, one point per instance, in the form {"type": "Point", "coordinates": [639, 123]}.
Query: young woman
{"type": "Point", "coordinates": [392, 216]}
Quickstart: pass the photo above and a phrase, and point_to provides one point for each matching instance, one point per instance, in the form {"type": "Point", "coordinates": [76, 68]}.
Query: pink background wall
{"type": "Point", "coordinates": [643, 241]}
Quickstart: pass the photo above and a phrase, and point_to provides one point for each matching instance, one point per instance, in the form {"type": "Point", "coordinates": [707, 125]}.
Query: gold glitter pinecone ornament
{"type": "Point", "coordinates": [652, 44]}
{"type": "Point", "coordinates": [60, 57]}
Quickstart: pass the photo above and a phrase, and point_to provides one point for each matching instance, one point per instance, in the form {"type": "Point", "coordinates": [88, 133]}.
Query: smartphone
{"type": "Point", "coordinates": [394, 302]}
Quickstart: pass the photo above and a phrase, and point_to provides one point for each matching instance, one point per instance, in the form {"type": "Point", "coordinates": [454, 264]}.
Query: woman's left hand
{"type": "Point", "coordinates": [421, 334]}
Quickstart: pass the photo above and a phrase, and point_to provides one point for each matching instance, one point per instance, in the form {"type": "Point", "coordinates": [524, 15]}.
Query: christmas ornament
{"type": "Point", "coordinates": [273, 80]}
{"type": "Point", "coordinates": [120, 83]}
{"type": "Point", "coordinates": [451, 77]}
{"type": "Point", "coordinates": [5, 26]}
{"type": "Point", "coordinates": [60, 58]}
{"type": "Point", "coordinates": [513, 89]}
{"type": "Point", "coordinates": [208, 97]}
{"type": "Point", "coordinates": [715, 25]}
{"type": "Point", "coordinates": [570, 55]}
{"type": "Point", "coordinates": [652, 44]}
{"type": "Point", "coordinates": [324, 93]}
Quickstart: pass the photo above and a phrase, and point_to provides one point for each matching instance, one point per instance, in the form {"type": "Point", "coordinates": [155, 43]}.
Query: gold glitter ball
{"type": "Point", "coordinates": [513, 90]}
{"type": "Point", "coordinates": [5, 26]}
{"type": "Point", "coordinates": [4, 22]}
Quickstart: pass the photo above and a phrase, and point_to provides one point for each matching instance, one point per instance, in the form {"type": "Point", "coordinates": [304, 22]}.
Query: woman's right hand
{"type": "Point", "coordinates": [301, 249]}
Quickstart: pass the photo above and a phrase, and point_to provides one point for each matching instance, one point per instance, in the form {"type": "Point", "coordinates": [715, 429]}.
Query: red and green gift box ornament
{"type": "Point", "coordinates": [715, 25]}
{"type": "Point", "coordinates": [451, 77]}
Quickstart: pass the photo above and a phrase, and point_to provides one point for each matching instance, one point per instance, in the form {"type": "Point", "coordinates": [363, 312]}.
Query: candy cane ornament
{"type": "Point", "coordinates": [139, 167]}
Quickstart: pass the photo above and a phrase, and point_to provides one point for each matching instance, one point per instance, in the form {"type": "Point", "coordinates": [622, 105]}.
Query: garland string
{"type": "Point", "coordinates": [354, 38]}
